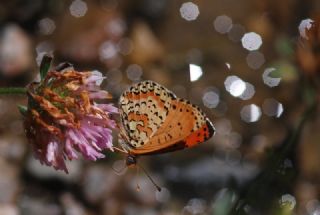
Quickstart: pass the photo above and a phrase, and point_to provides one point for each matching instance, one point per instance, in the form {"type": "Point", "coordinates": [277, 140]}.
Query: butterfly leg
{"type": "Point", "coordinates": [137, 178]}
{"type": "Point", "coordinates": [120, 150]}
{"type": "Point", "coordinates": [123, 140]}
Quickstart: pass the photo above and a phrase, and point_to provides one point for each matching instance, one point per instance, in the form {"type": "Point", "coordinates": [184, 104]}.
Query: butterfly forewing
{"type": "Point", "coordinates": [170, 136]}
{"type": "Point", "coordinates": [143, 108]}
{"type": "Point", "coordinates": [156, 121]}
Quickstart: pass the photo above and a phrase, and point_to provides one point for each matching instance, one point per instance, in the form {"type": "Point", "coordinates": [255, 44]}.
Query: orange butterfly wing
{"type": "Point", "coordinates": [143, 108]}
{"type": "Point", "coordinates": [167, 124]}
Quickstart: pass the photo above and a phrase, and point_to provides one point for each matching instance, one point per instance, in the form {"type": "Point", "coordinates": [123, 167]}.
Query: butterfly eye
{"type": "Point", "coordinates": [131, 160]}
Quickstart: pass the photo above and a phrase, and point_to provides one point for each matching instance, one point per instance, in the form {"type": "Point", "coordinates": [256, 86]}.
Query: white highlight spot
{"type": "Point", "coordinates": [268, 80]}
{"type": "Point", "coordinates": [107, 50]}
{"type": "Point", "coordinates": [211, 99]}
{"type": "Point", "coordinates": [305, 24]}
{"type": "Point", "coordinates": [272, 107]}
{"type": "Point", "coordinates": [134, 72]}
{"type": "Point", "coordinates": [78, 8]}
{"type": "Point", "coordinates": [222, 24]}
{"type": "Point", "coordinates": [251, 41]}
{"type": "Point", "coordinates": [189, 11]}
{"type": "Point", "coordinates": [195, 72]}
{"type": "Point", "coordinates": [250, 113]}
{"type": "Point", "coordinates": [229, 80]}
{"type": "Point", "coordinates": [46, 26]}
{"type": "Point", "coordinates": [288, 201]}
{"type": "Point", "coordinates": [248, 93]}
{"type": "Point", "coordinates": [116, 27]}
{"type": "Point", "coordinates": [255, 59]}
{"type": "Point", "coordinates": [237, 88]}
{"type": "Point", "coordinates": [228, 65]}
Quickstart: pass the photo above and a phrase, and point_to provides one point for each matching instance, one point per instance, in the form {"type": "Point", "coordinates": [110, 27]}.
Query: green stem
{"type": "Point", "coordinates": [13, 90]}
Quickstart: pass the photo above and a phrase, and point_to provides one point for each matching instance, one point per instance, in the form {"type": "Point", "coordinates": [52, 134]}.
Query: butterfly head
{"type": "Point", "coordinates": [131, 160]}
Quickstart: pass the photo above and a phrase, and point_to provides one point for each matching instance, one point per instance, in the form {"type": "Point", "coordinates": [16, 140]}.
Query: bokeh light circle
{"type": "Point", "coordinates": [250, 113]}
{"type": "Point", "coordinates": [222, 24]}
{"type": "Point", "coordinates": [251, 41]}
{"type": "Point", "coordinates": [189, 11]}
{"type": "Point", "coordinates": [78, 8]}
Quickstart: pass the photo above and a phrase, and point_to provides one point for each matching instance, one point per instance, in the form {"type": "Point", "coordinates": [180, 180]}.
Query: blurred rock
{"type": "Point", "coordinates": [9, 182]}
{"type": "Point", "coordinates": [38, 206]}
{"type": "Point", "coordinates": [195, 206]}
{"type": "Point", "coordinates": [16, 56]}
{"type": "Point", "coordinates": [72, 207]}
{"type": "Point", "coordinates": [45, 172]}
{"type": "Point", "coordinates": [163, 196]}
{"type": "Point", "coordinates": [8, 209]}
{"type": "Point", "coordinates": [111, 206]}
{"type": "Point", "coordinates": [216, 170]}
{"type": "Point", "coordinates": [143, 189]}
{"type": "Point", "coordinates": [97, 189]}
{"type": "Point", "coordinates": [131, 209]}
{"type": "Point", "coordinates": [12, 147]}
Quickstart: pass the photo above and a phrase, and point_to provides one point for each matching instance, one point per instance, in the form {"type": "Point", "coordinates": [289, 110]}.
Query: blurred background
{"type": "Point", "coordinates": [252, 66]}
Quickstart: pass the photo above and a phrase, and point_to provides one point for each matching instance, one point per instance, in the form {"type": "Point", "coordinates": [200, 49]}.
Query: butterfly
{"type": "Point", "coordinates": [154, 120]}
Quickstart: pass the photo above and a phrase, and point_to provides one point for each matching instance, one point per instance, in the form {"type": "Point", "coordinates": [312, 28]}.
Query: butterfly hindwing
{"type": "Point", "coordinates": [185, 126]}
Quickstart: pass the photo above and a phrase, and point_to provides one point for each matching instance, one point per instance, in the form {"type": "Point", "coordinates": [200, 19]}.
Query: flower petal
{"type": "Point", "coordinates": [100, 95]}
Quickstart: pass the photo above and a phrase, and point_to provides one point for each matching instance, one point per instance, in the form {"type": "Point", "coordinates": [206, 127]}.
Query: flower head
{"type": "Point", "coordinates": [63, 118]}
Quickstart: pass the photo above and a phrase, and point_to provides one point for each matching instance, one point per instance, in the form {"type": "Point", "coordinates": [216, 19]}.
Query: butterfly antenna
{"type": "Point", "coordinates": [153, 182]}
{"type": "Point", "coordinates": [137, 186]}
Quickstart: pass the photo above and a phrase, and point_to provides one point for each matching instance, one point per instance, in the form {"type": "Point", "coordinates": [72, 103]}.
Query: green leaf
{"type": "Point", "coordinates": [12, 90]}
{"type": "Point", "coordinates": [45, 66]}
{"type": "Point", "coordinates": [23, 109]}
